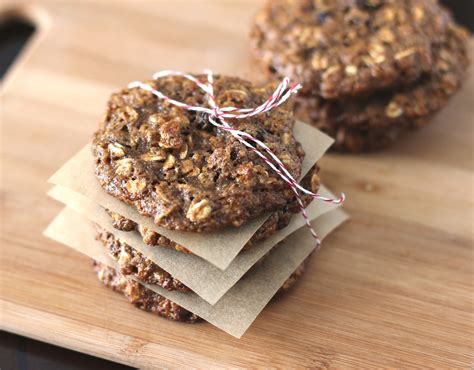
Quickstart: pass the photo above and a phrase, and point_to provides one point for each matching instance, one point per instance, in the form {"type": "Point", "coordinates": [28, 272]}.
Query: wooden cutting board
{"type": "Point", "coordinates": [393, 287]}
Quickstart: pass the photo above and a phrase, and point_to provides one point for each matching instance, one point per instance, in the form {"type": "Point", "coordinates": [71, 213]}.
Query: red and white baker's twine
{"type": "Point", "coordinates": [280, 95]}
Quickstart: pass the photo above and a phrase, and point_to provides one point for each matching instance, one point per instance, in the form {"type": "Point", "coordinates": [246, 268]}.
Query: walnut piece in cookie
{"type": "Point", "coordinates": [171, 164]}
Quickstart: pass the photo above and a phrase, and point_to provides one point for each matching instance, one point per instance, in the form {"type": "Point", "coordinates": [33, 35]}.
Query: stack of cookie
{"type": "Point", "coordinates": [173, 167]}
{"type": "Point", "coordinates": [189, 222]}
{"type": "Point", "coordinates": [370, 69]}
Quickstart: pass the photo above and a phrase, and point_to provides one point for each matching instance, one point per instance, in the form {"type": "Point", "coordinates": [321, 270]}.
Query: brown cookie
{"type": "Point", "coordinates": [360, 139]}
{"type": "Point", "coordinates": [147, 300]}
{"type": "Point", "coordinates": [373, 121]}
{"type": "Point", "coordinates": [343, 48]}
{"type": "Point", "coordinates": [141, 296]}
{"type": "Point", "coordinates": [174, 166]}
{"type": "Point", "coordinates": [294, 277]}
{"type": "Point", "coordinates": [133, 263]}
{"type": "Point", "coordinates": [277, 221]}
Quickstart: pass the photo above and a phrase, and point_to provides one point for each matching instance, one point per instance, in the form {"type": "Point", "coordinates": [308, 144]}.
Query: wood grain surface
{"type": "Point", "coordinates": [392, 287]}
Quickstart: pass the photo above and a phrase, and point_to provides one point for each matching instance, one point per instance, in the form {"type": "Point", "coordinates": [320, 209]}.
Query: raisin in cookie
{"type": "Point", "coordinates": [141, 296]}
{"type": "Point", "coordinates": [341, 48]}
{"type": "Point", "coordinates": [276, 221]}
{"type": "Point", "coordinates": [174, 166]}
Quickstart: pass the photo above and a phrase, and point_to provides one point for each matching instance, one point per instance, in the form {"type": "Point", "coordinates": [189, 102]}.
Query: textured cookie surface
{"type": "Point", "coordinates": [276, 221]}
{"type": "Point", "coordinates": [294, 277]}
{"type": "Point", "coordinates": [371, 122]}
{"type": "Point", "coordinates": [174, 166]}
{"type": "Point", "coordinates": [141, 296]}
{"type": "Point", "coordinates": [133, 263]}
{"type": "Point", "coordinates": [338, 48]}
{"type": "Point", "coordinates": [148, 300]}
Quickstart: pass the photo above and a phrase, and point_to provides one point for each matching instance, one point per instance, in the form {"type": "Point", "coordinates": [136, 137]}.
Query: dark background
{"type": "Point", "coordinates": [22, 353]}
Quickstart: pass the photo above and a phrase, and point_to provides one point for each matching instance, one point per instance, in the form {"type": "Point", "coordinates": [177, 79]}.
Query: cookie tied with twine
{"type": "Point", "coordinates": [217, 117]}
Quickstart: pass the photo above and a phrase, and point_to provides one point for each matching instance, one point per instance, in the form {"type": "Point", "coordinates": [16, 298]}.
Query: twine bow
{"type": "Point", "coordinates": [217, 116]}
